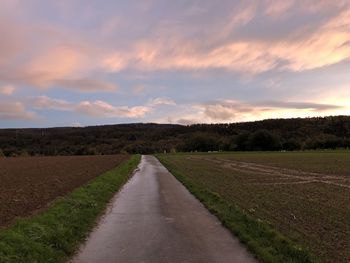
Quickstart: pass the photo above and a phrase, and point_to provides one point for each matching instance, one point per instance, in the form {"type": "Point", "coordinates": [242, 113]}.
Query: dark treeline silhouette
{"type": "Point", "coordinates": [274, 134]}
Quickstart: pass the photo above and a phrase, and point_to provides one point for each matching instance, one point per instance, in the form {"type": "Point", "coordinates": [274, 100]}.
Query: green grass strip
{"type": "Point", "coordinates": [267, 244]}
{"type": "Point", "coordinates": [54, 235]}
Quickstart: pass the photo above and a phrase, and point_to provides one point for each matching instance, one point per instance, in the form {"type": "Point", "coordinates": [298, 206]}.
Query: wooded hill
{"type": "Point", "coordinates": [273, 134]}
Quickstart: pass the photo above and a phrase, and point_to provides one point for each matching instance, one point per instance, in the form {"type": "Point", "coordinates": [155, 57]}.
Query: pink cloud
{"type": "Point", "coordinates": [11, 40]}
{"type": "Point", "coordinates": [61, 59]}
{"type": "Point", "coordinates": [58, 62]}
{"type": "Point", "coordinates": [326, 43]}
{"type": "Point", "coordinates": [66, 58]}
{"type": "Point", "coordinates": [15, 111]}
{"type": "Point", "coordinates": [44, 102]}
{"type": "Point", "coordinates": [278, 8]}
{"type": "Point", "coordinates": [7, 90]}
{"type": "Point", "coordinates": [114, 62]}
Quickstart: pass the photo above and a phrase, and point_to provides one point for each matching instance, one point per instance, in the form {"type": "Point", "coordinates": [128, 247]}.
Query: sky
{"type": "Point", "coordinates": [94, 62]}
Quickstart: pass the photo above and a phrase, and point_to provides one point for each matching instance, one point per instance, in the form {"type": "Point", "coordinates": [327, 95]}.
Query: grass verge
{"type": "Point", "coordinates": [55, 234]}
{"type": "Point", "coordinates": [261, 239]}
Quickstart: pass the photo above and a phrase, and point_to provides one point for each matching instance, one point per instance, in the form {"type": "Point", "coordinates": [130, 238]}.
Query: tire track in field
{"type": "Point", "coordinates": [302, 176]}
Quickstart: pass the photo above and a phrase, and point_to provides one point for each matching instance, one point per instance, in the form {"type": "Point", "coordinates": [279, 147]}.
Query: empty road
{"type": "Point", "coordinates": [155, 219]}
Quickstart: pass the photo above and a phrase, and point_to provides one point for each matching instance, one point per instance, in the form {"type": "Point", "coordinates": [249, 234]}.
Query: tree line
{"type": "Point", "coordinates": [267, 135]}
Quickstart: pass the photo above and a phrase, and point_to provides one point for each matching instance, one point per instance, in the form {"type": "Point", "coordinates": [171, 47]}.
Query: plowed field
{"type": "Point", "coordinates": [31, 183]}
{"type": "Point", "coordinates": [304, 195]}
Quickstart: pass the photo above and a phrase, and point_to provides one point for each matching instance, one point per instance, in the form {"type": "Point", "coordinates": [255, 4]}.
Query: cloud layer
{"type": "Point", "coordinates": [130, 61]}
{"type": "Point", "coordinates": [96, 108]}
{"type": "Point", "coordinates": [224, 111]}
{"type": "Point", "coordinates": [15, 111]}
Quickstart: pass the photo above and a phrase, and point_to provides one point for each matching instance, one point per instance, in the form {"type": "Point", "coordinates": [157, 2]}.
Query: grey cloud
{"type": "Point", "coordinates": [43, 80]}
{"type": "Point", "coordinates": [299, 105]}
{"type": "Point", "coordinates": [86, 85]}
{"type": "Point", "coordinates": [228, 109]}
{"type": "Point", "coordinates": [104, 109]}
{"type": "Point", "coordinates": [160, 101]}
{"type": "Point", "coordinates": [44, 102]}
{"type": "Point", "coordinates": [186, 121]}
{"type": "Point", "coordinates": [96, 108]}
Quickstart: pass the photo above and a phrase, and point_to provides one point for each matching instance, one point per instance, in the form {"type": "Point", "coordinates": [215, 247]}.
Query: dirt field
{"type": "Point", "coordinates": [304, 195]}
{"type": "Point", "coordinates": [31, 183]}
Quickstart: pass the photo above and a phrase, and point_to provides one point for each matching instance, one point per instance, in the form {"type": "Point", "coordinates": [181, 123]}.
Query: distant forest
{"type": "Point", "coordinates": [267, 135]}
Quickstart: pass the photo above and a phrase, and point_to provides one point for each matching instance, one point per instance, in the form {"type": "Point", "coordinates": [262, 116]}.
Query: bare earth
{"type": "Point", "coordinates": [29, 184]}
{"type": "Point", "coordinates": [281, 175]}
{"type": "Point", "coordinates": [303, 195]}
{"type": "Point", "coordinates": [155, 219]}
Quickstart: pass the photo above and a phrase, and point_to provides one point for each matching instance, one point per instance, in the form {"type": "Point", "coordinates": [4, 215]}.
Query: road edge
{"type": "Point", "coordinates": [55, 234]}
{"type": "Point", "coordinates": [267, 244]}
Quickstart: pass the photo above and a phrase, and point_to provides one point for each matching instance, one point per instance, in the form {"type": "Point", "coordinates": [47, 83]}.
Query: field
{"type": "Point", "coordinates": [303, 195]}
{"type": "Point", "coordinates": [30, 184]}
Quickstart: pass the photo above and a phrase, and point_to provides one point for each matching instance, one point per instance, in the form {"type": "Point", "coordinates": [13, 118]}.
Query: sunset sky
{"type": "Point", "coordinates": [85, 62]}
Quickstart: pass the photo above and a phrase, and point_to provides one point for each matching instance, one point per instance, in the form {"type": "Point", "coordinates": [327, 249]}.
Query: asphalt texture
{"type": "Point", "coordinates": [155, 219]}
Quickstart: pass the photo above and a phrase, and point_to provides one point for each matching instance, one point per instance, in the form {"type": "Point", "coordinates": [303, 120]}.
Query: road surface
{"type": "Point", "coordinates": [155, 219]}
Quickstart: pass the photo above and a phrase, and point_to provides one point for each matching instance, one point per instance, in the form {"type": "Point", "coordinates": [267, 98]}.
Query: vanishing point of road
{"type": "Point", "coordinates": [155, 219]}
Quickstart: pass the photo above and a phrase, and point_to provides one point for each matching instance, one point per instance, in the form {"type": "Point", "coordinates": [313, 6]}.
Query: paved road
{"type": "Point", "coordinates": [155, 219]}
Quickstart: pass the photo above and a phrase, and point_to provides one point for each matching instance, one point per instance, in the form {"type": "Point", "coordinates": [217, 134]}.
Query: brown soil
{"type": "Point", "coordinates": [311, 208]}
{"type": "Point", "coordinates": [278, 174]}
{"type": "Point", "coordinates": [29, 184]}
